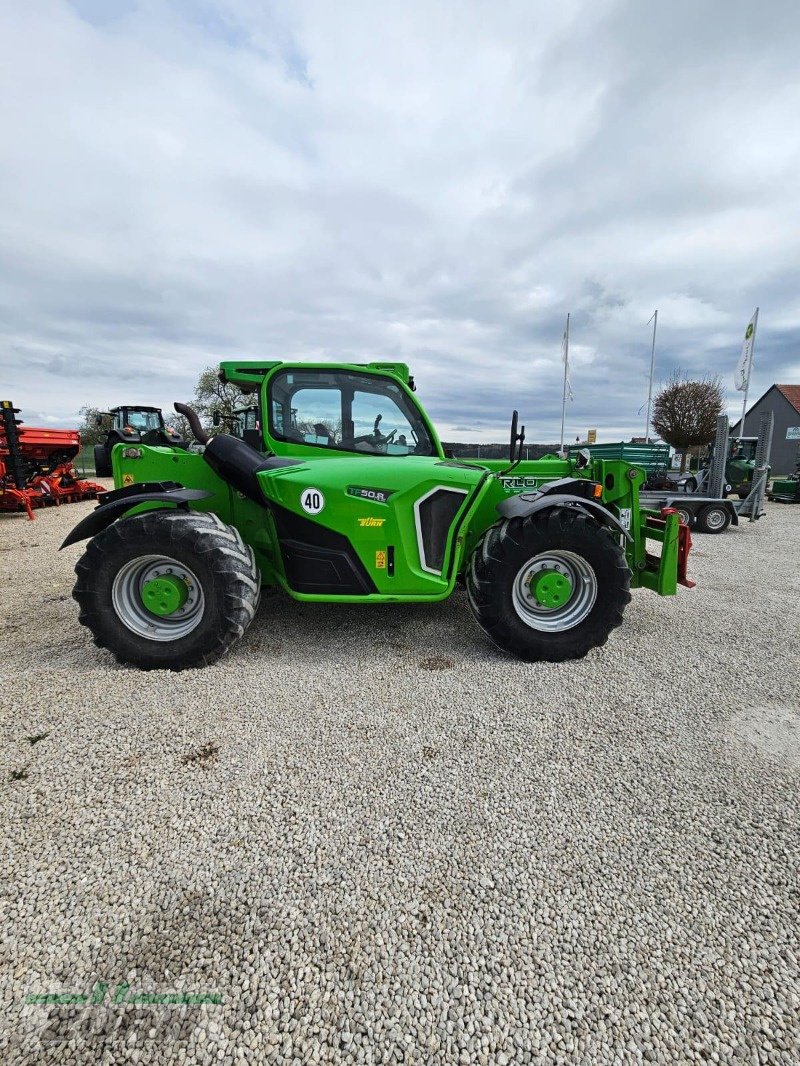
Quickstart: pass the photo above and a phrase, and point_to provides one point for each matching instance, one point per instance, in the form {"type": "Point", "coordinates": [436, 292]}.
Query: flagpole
{"type": "Point", "coordinates": [654, 320]}
{"type": "Point", "coordinates": [564, 392]}
{"type": "Point", "coordinates": [749, 372]}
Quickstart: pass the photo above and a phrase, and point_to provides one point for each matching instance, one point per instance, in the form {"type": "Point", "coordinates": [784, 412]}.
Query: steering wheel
{"type": "Point", "coordinates": [376, 437]}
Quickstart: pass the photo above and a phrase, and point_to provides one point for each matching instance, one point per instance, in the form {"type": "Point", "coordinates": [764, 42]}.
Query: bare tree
{"type": "Point", "coordinates": [95, 425]}
{"type": "Point", "coordinates": [685, 412]}
{"type": "Point", "coordinates": [211, 394]}
{"type": "Point", "coordinates": [180, 424]}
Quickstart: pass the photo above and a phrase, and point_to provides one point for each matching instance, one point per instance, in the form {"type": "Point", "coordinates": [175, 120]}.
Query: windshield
{"type": "Point", "coordinates": [244, 418]}
{"type": "Point", "coordinates": [743, 449]}
{"type": "Point", "coordinates": [347, 412]}
{"type": "Point", "coordinates": [139, 420]}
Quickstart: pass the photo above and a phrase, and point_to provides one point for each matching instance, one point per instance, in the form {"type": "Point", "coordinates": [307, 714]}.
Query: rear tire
{"type": "Point", "coordinates": [584, 552]}
{"type": "Point", "coordinates": [102, 464]}
{"type": "Point", "coordinates": [713, 519]}
{"type": "Point", "coordinates": [213, 561]}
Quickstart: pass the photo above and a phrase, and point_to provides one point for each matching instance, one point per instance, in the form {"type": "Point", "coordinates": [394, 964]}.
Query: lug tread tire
{"type": "Point", "coordinates": [216, 554]}
{"type": "Point", "coordinates": [503, 550]}
{"type": "Point", "coordinates": [102, 463]}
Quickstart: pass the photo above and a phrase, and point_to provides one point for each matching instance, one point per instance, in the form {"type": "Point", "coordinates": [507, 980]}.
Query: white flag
{"type": "Point", "coordinates": [745, 364]}
{"type": "Point", "coordinates": [565, 360]}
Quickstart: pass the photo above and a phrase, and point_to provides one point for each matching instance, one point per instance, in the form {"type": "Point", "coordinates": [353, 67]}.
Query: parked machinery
{"type": "Point", "coordinates": [787, 489]}
{"type": "Point", "coordinates": [133, 425]}
{"type": "Point", "coordinates": [36, 466]}
{"type": "Point", "coordinates": [349, 498]}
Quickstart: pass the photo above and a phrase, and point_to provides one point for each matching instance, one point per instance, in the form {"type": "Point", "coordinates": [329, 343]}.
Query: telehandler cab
{"type": "Point", "coordinates": [350, 498]}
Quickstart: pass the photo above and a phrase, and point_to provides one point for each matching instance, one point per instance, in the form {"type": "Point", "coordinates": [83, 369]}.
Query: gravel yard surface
{"type": "Point", "coordinates": [373, 838]}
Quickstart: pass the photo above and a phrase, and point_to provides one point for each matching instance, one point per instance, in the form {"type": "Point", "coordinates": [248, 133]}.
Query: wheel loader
{"type": "Point", "coordinates": [350, 498]}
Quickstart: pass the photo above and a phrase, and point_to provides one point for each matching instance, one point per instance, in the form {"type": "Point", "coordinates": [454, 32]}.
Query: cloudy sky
{"type": "Point", "coordinates": [183, 182]}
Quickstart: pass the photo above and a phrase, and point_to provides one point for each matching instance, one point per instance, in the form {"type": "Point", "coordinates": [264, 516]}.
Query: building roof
{"type": "Point", "coordinates": [792, 394]}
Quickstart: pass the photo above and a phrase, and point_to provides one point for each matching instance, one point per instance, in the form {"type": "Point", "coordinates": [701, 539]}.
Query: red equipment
{"type": "Point", "coordinates": [36, 465]}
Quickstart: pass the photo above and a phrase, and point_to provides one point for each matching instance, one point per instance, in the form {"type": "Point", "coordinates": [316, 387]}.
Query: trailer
{"type": "Point", "coordinates": [706, 514]}
{"type": "Point", "coordinates": [712, 511]}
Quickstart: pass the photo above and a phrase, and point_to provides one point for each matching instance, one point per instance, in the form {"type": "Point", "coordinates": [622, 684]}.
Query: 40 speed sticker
{"type": "Point", "coordinates": [312, 500]}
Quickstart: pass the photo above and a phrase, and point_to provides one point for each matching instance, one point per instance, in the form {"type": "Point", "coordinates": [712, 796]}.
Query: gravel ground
{"type": "Point", "coordinates": [375, 839]}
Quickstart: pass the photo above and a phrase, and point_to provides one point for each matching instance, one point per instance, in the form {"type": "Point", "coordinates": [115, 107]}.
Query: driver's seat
{"type": "Point", "coordinates": [322, 430]}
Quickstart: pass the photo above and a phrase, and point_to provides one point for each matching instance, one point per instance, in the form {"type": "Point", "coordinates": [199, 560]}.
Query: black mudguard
{"type": "Point", "coordinates": [527, 503]}
{"type": "Point", "coordinates": [112, 505]}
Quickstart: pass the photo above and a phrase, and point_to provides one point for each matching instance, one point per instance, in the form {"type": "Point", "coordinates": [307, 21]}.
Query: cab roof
{"type": "Point", "coordinates": [133, 407]}
{"type": "Point", "coordinates": [250, 374]}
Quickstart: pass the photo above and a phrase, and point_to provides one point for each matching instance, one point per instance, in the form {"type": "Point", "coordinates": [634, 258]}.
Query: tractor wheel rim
{"type": "Point", "coordinates": [715, 519]}
{"type": "Point", "coordinates": [575, 572]}
{"type": "Point", "coordinates": [130, 606]}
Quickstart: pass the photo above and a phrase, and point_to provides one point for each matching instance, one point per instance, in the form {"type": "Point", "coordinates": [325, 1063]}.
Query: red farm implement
{"type": "Point", "coordinates": [36, 465]}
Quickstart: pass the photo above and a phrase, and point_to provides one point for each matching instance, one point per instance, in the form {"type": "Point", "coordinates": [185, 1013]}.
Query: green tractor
{"type": "Point", "coordinates": [740, 463]}
{"type": "Point", "coordinates": [244, 423]}
{"type": "Point", "coordinates": [350, 499]}
{"type": "Point", "coordinates": [132, 425]}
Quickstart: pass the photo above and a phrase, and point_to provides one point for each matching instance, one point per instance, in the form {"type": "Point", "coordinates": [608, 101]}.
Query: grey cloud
{"type": "Point", "coordinates": [181, 183]}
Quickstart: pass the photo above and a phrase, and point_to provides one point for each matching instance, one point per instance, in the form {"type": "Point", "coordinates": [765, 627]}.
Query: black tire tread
{"type": "Point", "coordinates": [702, 519]}
{"type": "Point", "coordinates": [202, 532]}
{"type": "Point", "coordinates": [492, 556]}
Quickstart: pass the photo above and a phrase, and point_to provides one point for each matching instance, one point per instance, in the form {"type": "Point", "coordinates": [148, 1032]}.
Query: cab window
{"type": "Point", "coordinates": [346, 412]}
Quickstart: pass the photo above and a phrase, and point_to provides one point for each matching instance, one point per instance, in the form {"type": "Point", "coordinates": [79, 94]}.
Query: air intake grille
{"type": "Point", "coordinates": [435, 513]}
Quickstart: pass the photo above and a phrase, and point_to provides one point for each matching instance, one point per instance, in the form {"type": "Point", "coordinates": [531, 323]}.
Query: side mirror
{"type": "Point", "coordinates": [216, 418]}
{"type": "Point", "coordinates": [583, 458]}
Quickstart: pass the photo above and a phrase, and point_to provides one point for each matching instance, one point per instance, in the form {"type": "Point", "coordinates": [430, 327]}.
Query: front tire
{"type": "Point", "coordinates": [167, 589]}
{"type": "Point", "coordinates": [548, 587]}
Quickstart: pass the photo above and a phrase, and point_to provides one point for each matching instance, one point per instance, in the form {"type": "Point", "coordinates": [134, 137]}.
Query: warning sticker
{"type": "Point", "coordinates": [380, 560]}
{"type": "Point", "coordinates": [127, 479]}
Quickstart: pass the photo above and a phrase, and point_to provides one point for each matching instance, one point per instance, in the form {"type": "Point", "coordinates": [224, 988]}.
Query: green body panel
{"type": "Point", "coordinates": [739, 472]}
{"type": "Point", "coordinates": [371, 499]}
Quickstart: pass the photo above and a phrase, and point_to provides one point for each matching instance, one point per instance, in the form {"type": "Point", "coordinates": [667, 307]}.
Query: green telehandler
{"type": "Point", "coordinates": [350, 498]}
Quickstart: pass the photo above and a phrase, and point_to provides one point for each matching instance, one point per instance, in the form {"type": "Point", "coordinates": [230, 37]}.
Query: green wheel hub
{"type": "Point", "coordinates": [551, 588]}
{"type": "Point", "coordinates": [164, 595]}
{"type": "Point", "coordinates": [555, 590]}
{"type": "Point", "coordinates": [158, 598]}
